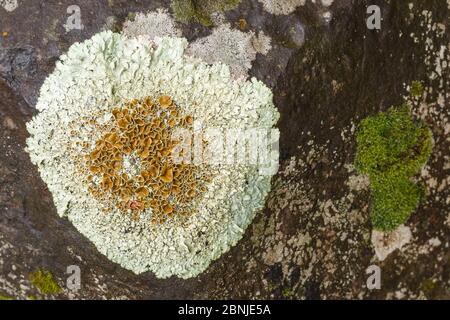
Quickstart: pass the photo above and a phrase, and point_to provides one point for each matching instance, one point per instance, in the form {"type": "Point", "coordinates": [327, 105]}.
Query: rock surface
{"type": "Point", "coordinates": [313, 239]}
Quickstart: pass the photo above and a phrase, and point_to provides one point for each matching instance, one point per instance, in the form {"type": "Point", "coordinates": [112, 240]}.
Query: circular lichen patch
{"type": "Point", "coordinates": [104, 144]}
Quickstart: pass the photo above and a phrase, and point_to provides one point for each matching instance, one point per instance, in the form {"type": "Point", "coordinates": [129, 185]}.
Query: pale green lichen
{"type": "Point", "coordinates": [9, 5]}
{"type": "Point", "coordinates": [283, 7]}
{"type": "Point", "coordinates": [225, 44]}
{"type": "Point", "coordinates": [233, 47]}
{"type": "Point", "coordinates": [88, 83]}
{"type": "Point", "coordinates": [152, 24]}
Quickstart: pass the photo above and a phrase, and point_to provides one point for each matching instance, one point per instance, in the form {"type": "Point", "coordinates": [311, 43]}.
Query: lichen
{"type": "Point", "coordinates": [233, 47]}
{"type": "Point", "coordinates": [284, 7]}
{"type": "Point", "coordinates": [152, 24]}
{"type": "Point", "coordinates": [225, 44]}
{"type": "Point", "coordinates": [9, 5]}
{"type": "Point", "coordinates": [391, 150]}
{"type": "Point", "coordinates": [93, 82]}
{"type": "Point", "coordinates": [132, 165]}
{"type": "Point", "coordinates": [281, 7]}
{"type": "Point", "coordinates": [44, 281]}
{"type": "Point", "coordinates": [385, 243]}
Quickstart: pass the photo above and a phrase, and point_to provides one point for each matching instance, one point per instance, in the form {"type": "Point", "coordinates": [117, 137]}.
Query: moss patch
{"type": "Point", "coordinates": [287, 293]}
{"type": "Point", "coordinates": [5, 298]}
{"type": "Point", "coordinates": [428, 287]}
{"type": "Point", "coordinates": [200, 10]}
{"type": "Point", "coordinates": [44, 281]}
{"type": "Point", "coordinates": [391, 150]}
{"type": "Point", "coordinates": [417, 89]}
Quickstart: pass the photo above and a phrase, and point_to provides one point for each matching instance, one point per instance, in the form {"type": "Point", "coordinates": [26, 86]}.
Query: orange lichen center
{"type": "Point", "coordinates": [131, 166]}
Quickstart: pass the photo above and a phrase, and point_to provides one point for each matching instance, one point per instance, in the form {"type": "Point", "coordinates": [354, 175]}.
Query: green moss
{"type": "Point", "coordinates": [44, 281]}
{"type": "Point", "coordinates": [287, 293]}
{"type": "Point", "coordinates": [5, 298]}
{"type": "Point", "coordinates": [200, 10]}
{"type": "Point", "coordinates": [416, 89]}
{"type": "Point", "coordinates": [391, 150]}
{"type": "Point", "coordinates": [428, 287]}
